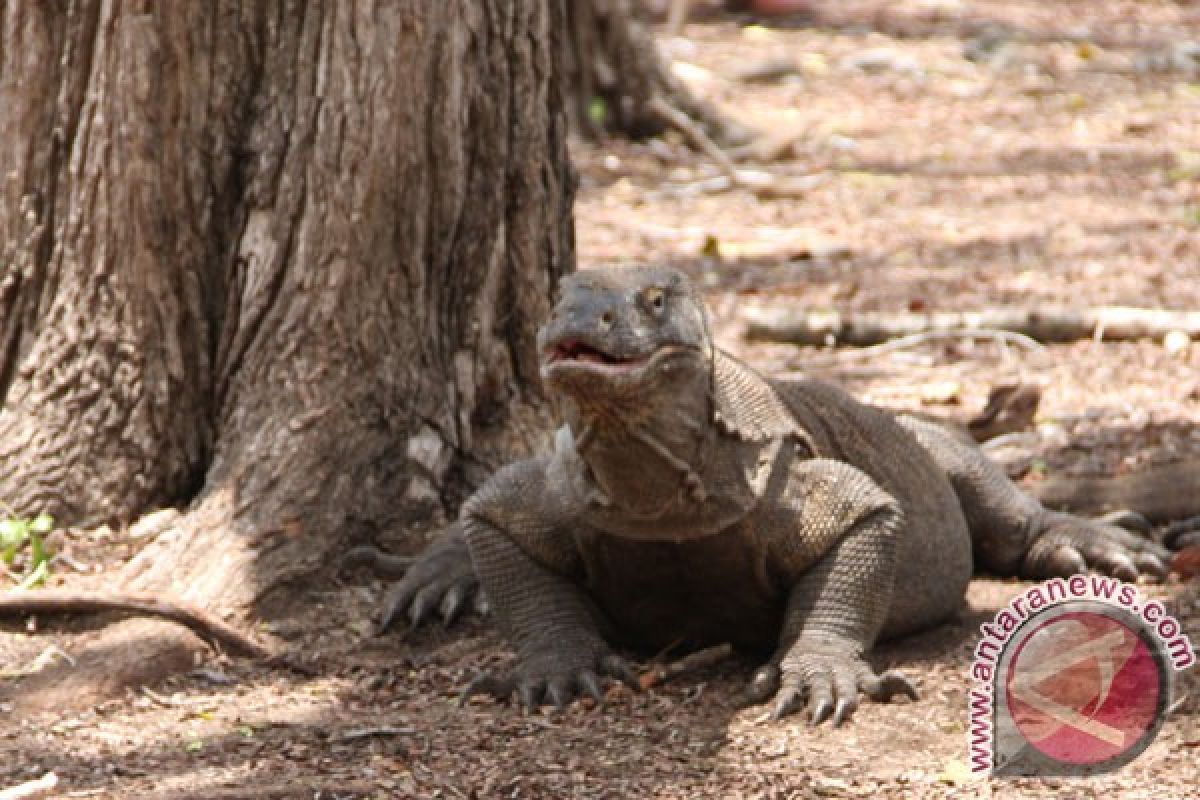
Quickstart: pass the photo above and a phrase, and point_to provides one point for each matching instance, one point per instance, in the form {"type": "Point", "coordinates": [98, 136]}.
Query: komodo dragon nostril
{"type": "Point", "coordinates": [606, 320]}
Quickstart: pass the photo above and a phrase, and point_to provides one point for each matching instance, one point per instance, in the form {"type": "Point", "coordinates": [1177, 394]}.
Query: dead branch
{"type": "Point", "coordinates": [1043, 324]}
{"type": "Point", "coordinates": [763, 184]}
{"type": "Point", "coordinates": [203, 623]}
{"type": "Point", "coordinates": [693, 662]}
{"type": "Point", "coordinates": [672, 116]}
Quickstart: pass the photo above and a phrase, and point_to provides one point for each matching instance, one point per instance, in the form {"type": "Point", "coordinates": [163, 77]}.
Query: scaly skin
{"type": "Point", "coordinates": [689, 499]}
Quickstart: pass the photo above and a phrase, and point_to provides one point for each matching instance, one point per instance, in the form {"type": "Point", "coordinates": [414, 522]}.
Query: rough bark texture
{"type": "Point", "coordinates": [282, 261]}
{"type": "Point", "coordinates": [611, 56]}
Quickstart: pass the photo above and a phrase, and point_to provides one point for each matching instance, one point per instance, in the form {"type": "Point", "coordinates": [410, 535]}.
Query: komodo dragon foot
{"type": "Point", "coordinates": [826, 684]}
{"type": "Point", "coordinates": [556, 676]}
{"type": "Point", "coordinates": [440, 582]}
{"type": "Point", "coordinates": [1182, 534]}
{"type": "Point", "coordinates": [1069, 545]}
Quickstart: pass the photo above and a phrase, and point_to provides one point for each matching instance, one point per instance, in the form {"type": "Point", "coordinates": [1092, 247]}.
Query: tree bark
{"type": "Point", "coordinates": [280, 262]}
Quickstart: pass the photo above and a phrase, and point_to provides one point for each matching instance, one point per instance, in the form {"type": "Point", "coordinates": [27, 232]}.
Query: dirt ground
{"type": "Point", "coordinates": [957, 155]}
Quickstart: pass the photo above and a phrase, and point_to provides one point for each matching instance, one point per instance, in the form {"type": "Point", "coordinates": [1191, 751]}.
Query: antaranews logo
{"type": "Point", "coordinates": [1072, 677]}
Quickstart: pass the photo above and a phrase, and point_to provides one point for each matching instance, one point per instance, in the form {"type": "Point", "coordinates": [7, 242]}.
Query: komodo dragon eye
{"type": "Point", "coordinates": [655, 298]}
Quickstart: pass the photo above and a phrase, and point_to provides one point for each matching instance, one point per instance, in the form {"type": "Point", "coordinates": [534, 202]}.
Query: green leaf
{"type": "Point", "coordinates": [13, 531]}
{"type": "Point", "coordinates": [37, 576]}
{"type": "Point", "coordinates": [37, 550]}
{"type": "Point", "coordinates": [42, 523]}
{"type": "Point", "coordinates": [597, 111]}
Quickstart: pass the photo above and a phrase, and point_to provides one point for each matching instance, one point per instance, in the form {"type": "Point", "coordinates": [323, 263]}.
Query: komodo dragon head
{"type": "Point", "coordinates": [664, 421]}
{"type": "Point", "coordinates": [618, 340]}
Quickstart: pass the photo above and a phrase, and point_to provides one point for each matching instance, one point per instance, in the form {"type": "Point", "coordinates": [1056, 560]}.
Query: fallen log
{"type": "Point", "coordinates": [865, 328]}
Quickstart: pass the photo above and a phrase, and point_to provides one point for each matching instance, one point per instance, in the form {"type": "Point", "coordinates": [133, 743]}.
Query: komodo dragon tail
{"type": "Point", "coordinates": [1162, 494]}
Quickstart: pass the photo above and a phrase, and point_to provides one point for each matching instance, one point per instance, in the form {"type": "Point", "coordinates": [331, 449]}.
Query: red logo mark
{"type": "Point", "coordinates": [1084, 688]}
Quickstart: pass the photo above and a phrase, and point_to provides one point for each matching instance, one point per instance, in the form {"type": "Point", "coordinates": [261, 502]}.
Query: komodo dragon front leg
{"type": "Point", "coordinates": [832, 536]}
{"type": "Point", "coordinates": [518, 529]}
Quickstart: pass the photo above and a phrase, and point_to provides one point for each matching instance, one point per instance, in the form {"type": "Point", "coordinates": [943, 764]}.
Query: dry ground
{"type": "Point", "coordinates": [1058, 168]}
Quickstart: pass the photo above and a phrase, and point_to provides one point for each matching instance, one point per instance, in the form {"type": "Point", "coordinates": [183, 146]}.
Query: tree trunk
{"type": "Point", "coordinates": [618, 82]}
{"type": "Point", "coordinates": [279, 262]}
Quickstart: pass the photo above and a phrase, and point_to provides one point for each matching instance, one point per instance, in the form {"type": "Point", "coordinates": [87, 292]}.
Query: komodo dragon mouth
{"type": "Point", "coordinates": [574, 352]}
{"type": "Point", "coordinates": [578, 351]}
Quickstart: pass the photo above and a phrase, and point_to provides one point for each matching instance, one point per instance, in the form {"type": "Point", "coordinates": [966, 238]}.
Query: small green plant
{"type": "Point", "coordinates": [21, 534]}
{"type": "Point", "coordinates": [597, 111]}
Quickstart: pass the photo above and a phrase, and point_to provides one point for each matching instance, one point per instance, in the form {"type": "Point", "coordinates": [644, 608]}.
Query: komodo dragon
{"type": "Point", "coordinates": [690, 500]}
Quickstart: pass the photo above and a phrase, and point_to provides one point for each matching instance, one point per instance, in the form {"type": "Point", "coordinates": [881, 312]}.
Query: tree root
{"type": "Point", "coordinates": [204, 624]}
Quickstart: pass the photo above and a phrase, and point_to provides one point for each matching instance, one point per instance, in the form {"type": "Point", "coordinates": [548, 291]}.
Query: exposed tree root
{"type": "Point", "coordinates": [205, 624]}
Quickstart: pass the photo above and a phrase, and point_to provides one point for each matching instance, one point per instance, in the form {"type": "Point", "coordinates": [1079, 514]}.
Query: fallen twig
{"type": "Point", "coordinates": [382, 730]}
{"type": "Point", "coordinates": [701, 140]}
{"type": "Point", "coordinates": [204, 623]}
{"type": "Point", "coordinates": [34, 788]}
{"type": "Point", "coordinates": [38, 664]}
{"type": "Point", "coordinates": [693, 662]}
{"type": "Point", "coordinates": [757, 181]}
{"type": "Point", "coordinates": [160, 700]}
{"type": "Point", "coordinates": [919, 339]}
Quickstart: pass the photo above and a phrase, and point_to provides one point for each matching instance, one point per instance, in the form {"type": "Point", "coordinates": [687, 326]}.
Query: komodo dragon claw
{"type": "Point", "coordinates": [535, 683]}
{"type": "Point", "coordinates": [441, 582]}
{"type": "Point", "coordinates": [1182, 534]}
{"type": "Point", "coordinates": [1128, 519]}
{"type": "Point", "coordinates": [830, 688]}
{"type": "Point", "coordinates": [1074, 545]}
